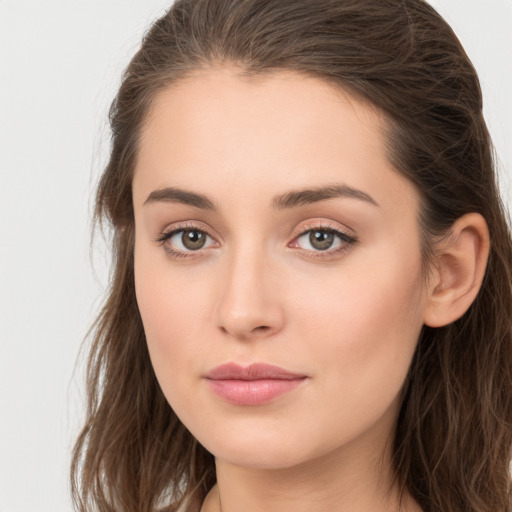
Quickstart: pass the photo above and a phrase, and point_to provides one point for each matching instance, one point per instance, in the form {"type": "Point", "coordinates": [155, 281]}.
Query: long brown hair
{"type": "Point", "coordinates": [453, 441]}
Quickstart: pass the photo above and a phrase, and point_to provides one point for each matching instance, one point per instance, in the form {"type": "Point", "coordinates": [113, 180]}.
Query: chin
{"type": "Point", "coordinates": [261, 458]}
{"type": "Point", "coordinates": [251, 449]}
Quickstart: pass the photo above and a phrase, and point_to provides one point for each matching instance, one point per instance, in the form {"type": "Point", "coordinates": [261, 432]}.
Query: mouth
{"type": "Point", "coordinates": [256, 384]}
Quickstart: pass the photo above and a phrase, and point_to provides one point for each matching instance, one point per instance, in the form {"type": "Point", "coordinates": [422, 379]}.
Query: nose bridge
{"type": "Point", "coordinates": [249, 304]}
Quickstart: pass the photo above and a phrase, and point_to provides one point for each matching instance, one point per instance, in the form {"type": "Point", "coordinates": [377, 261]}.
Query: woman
{"type": "Point", "coordinates": [311, 300]}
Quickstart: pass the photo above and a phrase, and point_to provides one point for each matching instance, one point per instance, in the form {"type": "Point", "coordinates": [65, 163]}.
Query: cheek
{"type": "Point", "coordinates": [165, 308]}
{"type": "Point", "coordinates": [366, 331]}
{"type": "Point", "coordinates": [169, 309]}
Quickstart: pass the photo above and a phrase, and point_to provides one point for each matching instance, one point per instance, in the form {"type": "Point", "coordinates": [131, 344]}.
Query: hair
{"type": "Point", "coordinates": [452, 445]}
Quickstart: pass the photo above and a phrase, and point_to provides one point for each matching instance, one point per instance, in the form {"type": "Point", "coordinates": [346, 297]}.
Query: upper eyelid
{"type": "Point", "coordinates": [182, 226]}
{"type": "Point", "coordinates": [323, 225]}
{"type": "Point", "coordinates": [298, 231]}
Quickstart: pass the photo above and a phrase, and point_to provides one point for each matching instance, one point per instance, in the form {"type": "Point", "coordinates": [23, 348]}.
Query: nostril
{"type": "Point", "coordinates": [263, 328]}
{"type": "Point", "coordinates": [246, 333]}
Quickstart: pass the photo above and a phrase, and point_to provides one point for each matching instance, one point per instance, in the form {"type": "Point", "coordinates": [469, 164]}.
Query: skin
{"type": "Point", "coordinates": [347, 318]}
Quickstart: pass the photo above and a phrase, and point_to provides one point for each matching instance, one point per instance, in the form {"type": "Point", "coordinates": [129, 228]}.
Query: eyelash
{"type": "Point", "coordinates": [167, 235]}
{"type": "Point", "coordinates": [346, 240]}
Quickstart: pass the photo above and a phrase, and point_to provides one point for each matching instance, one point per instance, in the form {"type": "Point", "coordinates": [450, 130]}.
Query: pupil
{"type": "Point", "coordinates": [193, 239]}
{"type": "Point", "coordinates": [321, 240]}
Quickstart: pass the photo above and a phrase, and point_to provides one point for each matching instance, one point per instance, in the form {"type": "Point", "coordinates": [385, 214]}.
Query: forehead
{"type": "Point", "coordinates": [284, 130]}
{"type": "Point", "coordinates": [226, 98]}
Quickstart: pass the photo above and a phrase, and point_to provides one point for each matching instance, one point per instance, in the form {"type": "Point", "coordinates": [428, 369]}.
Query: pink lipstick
{"type": "Point", "coordinates": [256, 384]}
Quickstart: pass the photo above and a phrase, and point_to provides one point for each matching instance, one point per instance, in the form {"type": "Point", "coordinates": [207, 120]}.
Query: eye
{"type": "Point", "coordinates": [179, 242]}
{"type": "Point", "coordinates": [327, 240]}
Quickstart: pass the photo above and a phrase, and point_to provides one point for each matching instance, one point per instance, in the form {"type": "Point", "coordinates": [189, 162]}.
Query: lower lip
{"type": "Point", "coordinates": [252, 392]}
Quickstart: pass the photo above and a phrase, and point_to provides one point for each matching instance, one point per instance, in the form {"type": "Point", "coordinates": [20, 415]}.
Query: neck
{"type": "Point", "coordinates": [350, 480]}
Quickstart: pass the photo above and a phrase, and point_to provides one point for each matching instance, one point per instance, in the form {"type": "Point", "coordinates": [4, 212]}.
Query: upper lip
{"type": "Point", "coordinates": [256, 371]}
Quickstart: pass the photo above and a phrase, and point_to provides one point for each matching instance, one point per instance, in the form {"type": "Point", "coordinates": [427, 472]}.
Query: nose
{"type": "Point", "coordinates": [250, 305]}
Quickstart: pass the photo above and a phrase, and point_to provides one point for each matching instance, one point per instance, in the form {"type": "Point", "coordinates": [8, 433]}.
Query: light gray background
{"type": "Point", "coordinates": [60, 65]}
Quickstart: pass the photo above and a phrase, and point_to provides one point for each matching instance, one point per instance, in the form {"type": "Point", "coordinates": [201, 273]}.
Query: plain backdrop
{"type": "Point", "coordinates": [60, 65]}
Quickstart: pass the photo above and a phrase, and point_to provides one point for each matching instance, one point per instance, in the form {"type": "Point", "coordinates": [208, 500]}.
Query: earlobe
{"type": "Point", "coordinates": [460, 263]}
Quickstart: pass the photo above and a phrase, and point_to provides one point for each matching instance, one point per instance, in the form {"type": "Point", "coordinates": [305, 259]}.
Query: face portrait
{"type": "Point", "coordinates": [278, 267]}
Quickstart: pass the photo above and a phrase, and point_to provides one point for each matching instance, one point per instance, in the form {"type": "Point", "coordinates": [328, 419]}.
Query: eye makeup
{"type": "Point", "coordinates": [315, 240]}
{"type": "Point", "coordinates": [189, 236]}
{"type": "Point", "coordinates": [325, 239]}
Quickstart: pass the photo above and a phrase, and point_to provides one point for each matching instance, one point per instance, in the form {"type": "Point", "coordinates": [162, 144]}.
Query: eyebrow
{"type": "Point", "coordinates": [288, 200]}
{"type": "Point", "coordinates": [178, 195]}
{"type": "Point", "coordinates": [309, 196]}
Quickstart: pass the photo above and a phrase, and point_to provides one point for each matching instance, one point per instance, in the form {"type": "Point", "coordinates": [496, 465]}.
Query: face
{"type": "Point", "coordinates": [277, 266]}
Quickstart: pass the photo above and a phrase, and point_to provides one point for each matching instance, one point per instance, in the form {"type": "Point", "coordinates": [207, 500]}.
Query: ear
{"type": "Point", "coordinates": [459, 269]}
